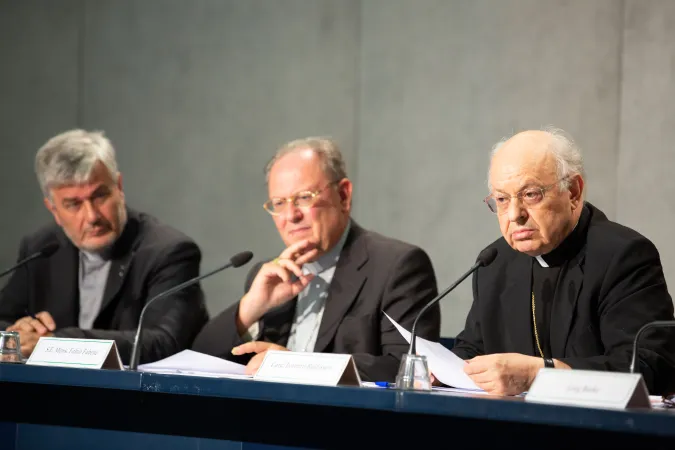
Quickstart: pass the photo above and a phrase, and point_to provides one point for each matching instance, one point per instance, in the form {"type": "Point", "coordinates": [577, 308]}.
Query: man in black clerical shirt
{"type": "Point", "coordinates": [549, 275]}
{"type": "Point", "coordinates": [569, 288]}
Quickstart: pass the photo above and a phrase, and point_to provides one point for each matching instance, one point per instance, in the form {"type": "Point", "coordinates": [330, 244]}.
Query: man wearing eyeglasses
{"type": "Point", "coordinates": [569, 288]}
{"type": "Point", "coordinates": [327, 291]}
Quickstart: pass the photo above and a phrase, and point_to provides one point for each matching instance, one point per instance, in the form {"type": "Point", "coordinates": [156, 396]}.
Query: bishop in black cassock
{"type": "Point", "coordinates": [569, 288]}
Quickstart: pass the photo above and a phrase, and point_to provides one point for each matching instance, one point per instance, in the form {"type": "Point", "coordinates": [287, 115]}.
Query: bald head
{"type": "Point", "coordinates": [536, 183]}
{"type": "Point", "coordinates": [529, 151]}
{"type": "Point", "coordinates": [535, 147]}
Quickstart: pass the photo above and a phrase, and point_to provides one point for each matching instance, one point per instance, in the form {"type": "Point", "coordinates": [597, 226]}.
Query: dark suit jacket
{"type": "Point", "coordinates": [147, 258]}
{"type": "Point", "coordinates": [374, 274]}
{"type": "Point", "coordinates": [614, 285]}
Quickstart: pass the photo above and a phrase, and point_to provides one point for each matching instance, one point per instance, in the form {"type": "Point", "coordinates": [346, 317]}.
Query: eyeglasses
{"type": "Point", "coordinates": [303, 199]}
{"type": "Point", "coordinates": [532, 196]}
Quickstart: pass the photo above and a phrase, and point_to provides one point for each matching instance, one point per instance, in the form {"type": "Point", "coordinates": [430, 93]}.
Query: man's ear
{"type": "Point", "coordinates": [119, 185]}
{"type": "Point", "coordinates": [345, 192]}
{"type": "Point", "coordinates": [576, 191]}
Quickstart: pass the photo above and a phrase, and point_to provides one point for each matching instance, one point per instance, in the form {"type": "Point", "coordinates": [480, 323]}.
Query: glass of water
{"type": "Point", "coordinates": [10, 347]}
{"type": "Point", "coordinates": [413, 373]}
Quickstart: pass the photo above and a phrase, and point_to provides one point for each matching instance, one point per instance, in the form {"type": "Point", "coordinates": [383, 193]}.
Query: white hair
{"type": "Point", "coordinates": [567, 154]}
{"type": "Point", "coordinates": [333, 164]}
{"type": "Point", "coordinates": [70, 158]}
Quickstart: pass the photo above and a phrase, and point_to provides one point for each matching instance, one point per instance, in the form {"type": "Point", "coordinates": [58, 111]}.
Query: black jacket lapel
{"type": "Point", "coordinates": [516, 302]}
{"type": "Point", "coordinates": [565, 303]}
{"type": "Point", "coordinates": [65, 308]}
{"type": "Point", "coordinates": [570, 283]}
{"type": "Point", "coordinates": [344, 287]}
{"type": "Point", "coordinates": [122, 255]}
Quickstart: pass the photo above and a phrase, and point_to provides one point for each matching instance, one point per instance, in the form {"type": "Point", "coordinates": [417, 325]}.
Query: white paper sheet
{"type": "Point", "coordinates": [458, 390]}
{"type": "Point", "coordinates": [189, 362]}
{"type": "Point", "coordinates": [445, 365]}
{"type": "Point", "coordinates": [657, 402]}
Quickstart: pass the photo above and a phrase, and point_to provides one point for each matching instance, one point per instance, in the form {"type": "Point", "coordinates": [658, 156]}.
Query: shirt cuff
{"type": "Point", "coordinates": [252, 333]}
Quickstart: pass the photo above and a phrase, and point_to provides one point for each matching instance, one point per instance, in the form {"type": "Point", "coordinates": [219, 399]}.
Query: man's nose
{"type": "Point", "coordinates": [292, 213]}
{"type": "Point", "coordinates": [91, 212]}
{"type": "Point", "coordinates": [517, 213]}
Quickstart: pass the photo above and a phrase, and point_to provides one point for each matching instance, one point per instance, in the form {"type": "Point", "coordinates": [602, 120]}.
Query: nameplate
{"type": "Point", "coordinates": [326, 369]}
{"type": "Point", "coordinates": [590, 388]}
{"type": "Point", "coordinates": [81, 353]}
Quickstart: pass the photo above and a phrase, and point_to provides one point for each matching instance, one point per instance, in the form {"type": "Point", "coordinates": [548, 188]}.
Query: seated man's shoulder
{"type": "Point", "coordinates": [156, 234]}
{"type": "Point", "coordinates": [614, 237]}
{"type": "Point", "coordinates": [43, 236]}
{"type": "Point", "coordinates": [387, 248]}
{"type": "Point", "coordinates": [505, 253]}
{"type": "Point", "coordinates": [158, 229]}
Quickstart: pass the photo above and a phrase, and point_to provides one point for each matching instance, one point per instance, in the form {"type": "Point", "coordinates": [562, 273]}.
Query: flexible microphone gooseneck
{"type": "Point", "coordinates": [484, 258]}
{"type": "Point", "coordinates": [237, 260]}
{"type": "Point", "coordinates": [46, 251]}
{"type": "Point", "coordinates": [655, 324]}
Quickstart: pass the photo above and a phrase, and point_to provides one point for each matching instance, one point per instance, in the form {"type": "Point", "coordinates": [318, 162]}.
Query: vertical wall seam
{"type": "Point", "coordinates": [358, 92]}
{"type": "Point", "coordinates": [80, 62]}
{"type": "Point", "coordinates": [619, 116]}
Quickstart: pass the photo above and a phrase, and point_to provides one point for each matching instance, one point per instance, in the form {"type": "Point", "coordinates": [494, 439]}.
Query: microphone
{"type": "Point", "coordinates": [484, 258]}
{"type": "Point", "coordinates": [655, 324]}
{"type": "Point", "coordinates": [237, 260]}
{"type": "Point", "coordinates": [46, 251]}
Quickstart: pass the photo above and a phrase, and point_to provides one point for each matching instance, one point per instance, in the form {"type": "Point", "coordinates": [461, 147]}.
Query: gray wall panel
{"type": "Point", "coordinates": [443, 81]}
{"type": "Point", "coordinates": [197, 95]}
{"type": "Point", "coordinates": [646, 158]}
{"type": "Point", "coordinates": [197, 98]}
{"type": "Point", "coordinates": [38, 98]}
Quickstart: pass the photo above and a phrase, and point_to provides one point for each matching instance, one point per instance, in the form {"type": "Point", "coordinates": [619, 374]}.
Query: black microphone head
{"type": "Point", "coordinates": [49, 249]}
{"type": "Point", "coordinates": [241, 258]}
{"type": "Point", "coordinates": [486, 257]}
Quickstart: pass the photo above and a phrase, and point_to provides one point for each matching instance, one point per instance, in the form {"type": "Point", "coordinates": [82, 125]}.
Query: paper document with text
{"type": "Point", "coordinates": [445, 365]}
{"type": "Point", "coordinates": [189, 362]}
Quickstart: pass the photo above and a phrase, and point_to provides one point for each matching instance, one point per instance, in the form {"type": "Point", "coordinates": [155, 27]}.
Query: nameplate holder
{"type": "Point", "coordinates": [589, 388]}
{"type": "Point", "coordinates": [324, 369]}
{"type": "Point", "coordinates": [78, 353]}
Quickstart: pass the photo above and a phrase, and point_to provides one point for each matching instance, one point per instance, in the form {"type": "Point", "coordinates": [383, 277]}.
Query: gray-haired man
{"type": "Point", "coordinates": [111, 260]}
{"type": "Point", "coordinates": [328, 289]}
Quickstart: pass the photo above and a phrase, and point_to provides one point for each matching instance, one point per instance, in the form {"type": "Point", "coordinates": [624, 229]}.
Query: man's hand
{"type": "Point", "coordinates": [31, 330]}
{"type": "Point", "coordinates": [503, 373]}
{"type": "Point", "coordinates": [258, 347]}
{"type": "Point", "coordinates": [274, 284]}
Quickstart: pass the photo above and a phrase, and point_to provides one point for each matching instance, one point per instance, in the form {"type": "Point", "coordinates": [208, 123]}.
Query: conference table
{"type": "Point", "coordinates": [67, 408]}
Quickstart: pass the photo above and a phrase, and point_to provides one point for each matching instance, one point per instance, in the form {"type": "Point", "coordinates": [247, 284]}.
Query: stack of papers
{"type": "Point", "coordinates": [445, 365]}
{"type": "Point", "coordinates": [658, 403]}
{"type": "Point", "coordinates": [189, 362]}
{"type": "Point", "coordinates": [383, 385]}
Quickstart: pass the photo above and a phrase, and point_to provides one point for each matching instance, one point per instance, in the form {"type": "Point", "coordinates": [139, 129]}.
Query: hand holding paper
{"type": "Point", "coordinates": [504, 373]}
{"type": "Point", "coordinates": [447, 367]}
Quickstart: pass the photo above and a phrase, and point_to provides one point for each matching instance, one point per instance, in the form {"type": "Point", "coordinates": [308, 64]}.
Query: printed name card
{"type": "Point", "coordinates": [325, 369]}
{"type": "Point", "coordinates": [82, 353]}
{"type": "Point", "coordinates": [591, 388]}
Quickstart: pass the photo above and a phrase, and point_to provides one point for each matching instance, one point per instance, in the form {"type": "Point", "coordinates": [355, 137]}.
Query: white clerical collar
{"type": "Point", "coordinates": [542, 263]}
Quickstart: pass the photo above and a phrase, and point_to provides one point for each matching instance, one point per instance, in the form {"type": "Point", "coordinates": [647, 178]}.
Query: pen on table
{"type": "Point", "coordinates": [385, 384]}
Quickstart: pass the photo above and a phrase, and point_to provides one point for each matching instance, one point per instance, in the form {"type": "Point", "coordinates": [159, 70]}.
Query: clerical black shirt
{"type": "Point", "coordinates": [549, 278]}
